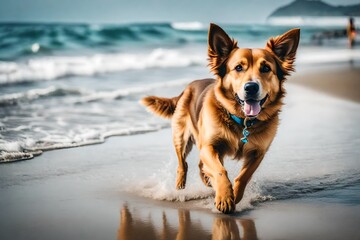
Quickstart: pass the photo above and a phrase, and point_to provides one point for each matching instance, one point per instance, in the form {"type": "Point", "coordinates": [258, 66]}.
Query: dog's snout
{"type": "Point", "coordinates": [251, 88]}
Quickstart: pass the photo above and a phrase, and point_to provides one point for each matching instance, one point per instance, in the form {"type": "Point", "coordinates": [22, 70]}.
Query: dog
{"type": "Point", "coordinates": [235, 115]}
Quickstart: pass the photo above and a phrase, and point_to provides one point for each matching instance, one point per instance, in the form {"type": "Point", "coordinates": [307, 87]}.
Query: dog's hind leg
{"type": "Point", "coordinates": [182, 137]}
{"type": "Point", "coordinates": [183, 144]}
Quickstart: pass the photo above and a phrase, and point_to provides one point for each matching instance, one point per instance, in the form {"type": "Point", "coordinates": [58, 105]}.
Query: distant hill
{"type": "Point", "coordinates": [315, 8]}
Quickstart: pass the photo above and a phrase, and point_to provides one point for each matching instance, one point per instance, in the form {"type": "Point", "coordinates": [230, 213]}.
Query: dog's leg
{"type": "Point", "coordinates": [213, 166]}
{"type": "Point", "coordinates": [182, 138]}
{"type": "Point", "coordinates": [203, 176]}
{"type": "Point", "coordinates": [183, 144]}
{"type": "Point", "coordinates": [252, 161]}
{"type": "Point", "coordinates": [182, 150]}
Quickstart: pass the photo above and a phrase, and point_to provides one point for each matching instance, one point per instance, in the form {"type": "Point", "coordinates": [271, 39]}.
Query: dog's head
{"type": "Point", "coordinates": [250, 80]}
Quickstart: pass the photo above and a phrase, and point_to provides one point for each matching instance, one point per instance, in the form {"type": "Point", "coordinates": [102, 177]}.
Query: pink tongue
{"type": "Point", "coordinates": [252, 108]}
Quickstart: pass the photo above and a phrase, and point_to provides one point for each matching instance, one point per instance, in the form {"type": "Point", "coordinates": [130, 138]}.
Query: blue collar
{"type": "Point", "coordinates": [240, 121]}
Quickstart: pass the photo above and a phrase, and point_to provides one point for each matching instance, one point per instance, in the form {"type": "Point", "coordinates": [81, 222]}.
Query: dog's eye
{"type": "Point", "coordinates": [238, 68]}
{"type": "Point", "coordinates": [265, 68]}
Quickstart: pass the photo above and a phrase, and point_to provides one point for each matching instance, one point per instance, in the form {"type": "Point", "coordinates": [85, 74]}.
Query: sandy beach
{"type": "Point", "coordinates": [339, 81]}
{"type": "Point", "coordinates": [124, 188]}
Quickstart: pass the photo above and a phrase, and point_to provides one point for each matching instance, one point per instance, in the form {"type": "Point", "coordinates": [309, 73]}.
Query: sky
{"type": "Point", "coordinates": [120, 11]}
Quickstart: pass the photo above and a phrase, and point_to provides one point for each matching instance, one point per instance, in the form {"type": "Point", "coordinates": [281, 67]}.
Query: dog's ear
{"type": "Point", "coordinates": [219, 48]}
{"type": "Point", "coordinates": [284, 47]}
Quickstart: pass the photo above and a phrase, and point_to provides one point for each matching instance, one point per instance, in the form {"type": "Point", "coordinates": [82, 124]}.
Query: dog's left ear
{"type": "Point", "coordinates": [284, 47]}
{"type": "Point", "coordinates": [219, 48]}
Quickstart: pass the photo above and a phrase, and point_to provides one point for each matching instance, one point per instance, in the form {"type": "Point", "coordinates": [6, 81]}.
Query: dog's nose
{"type": "Point", "coordinates": [251, 88]}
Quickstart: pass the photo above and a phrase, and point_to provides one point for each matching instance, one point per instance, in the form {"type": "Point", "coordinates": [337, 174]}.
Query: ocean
{"type": "Point", "coordinates": [68, 85]}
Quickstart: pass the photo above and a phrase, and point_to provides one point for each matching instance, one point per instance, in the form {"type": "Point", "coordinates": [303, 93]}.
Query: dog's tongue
{"type": "Point", "coordinates": [252, 108]}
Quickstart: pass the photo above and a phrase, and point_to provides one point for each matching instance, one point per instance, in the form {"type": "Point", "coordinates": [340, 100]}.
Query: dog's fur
{"type": "Point", "coordinates": [201, 114]}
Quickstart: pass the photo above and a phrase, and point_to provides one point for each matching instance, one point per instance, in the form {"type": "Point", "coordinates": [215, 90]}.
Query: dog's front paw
{"type": "Point", "coordinates": [224, 201]}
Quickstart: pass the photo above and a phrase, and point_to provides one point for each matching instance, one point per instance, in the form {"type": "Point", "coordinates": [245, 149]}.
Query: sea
{"type": "Point", "coordinates": [69, 85]}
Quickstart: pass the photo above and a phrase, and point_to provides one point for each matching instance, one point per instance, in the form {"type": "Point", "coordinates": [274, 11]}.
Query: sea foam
{"type": "Point", "coordinates": [49, 68]}
{"type": "Point", "coordinates": [190, 26]}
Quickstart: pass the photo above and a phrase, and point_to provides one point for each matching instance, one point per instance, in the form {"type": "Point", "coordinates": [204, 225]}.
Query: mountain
{"type": "Point", "coordinates": [315, 8]}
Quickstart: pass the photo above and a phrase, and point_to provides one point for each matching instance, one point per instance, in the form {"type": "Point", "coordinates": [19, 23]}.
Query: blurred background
{"type": "Point", "coordinates": [72, 72]}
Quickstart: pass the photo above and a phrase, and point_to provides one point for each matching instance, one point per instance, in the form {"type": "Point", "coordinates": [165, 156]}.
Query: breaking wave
{"type": "Point", "coordinates": [49, 68]}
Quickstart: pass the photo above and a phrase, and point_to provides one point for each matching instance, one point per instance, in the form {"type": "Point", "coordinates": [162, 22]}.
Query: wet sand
{"type": "Point", "coordinates": [342, 82]}
{"type": "Point", "coordinates": [74, 194]}
{"type": "Point", "coordinates": [79, 193]}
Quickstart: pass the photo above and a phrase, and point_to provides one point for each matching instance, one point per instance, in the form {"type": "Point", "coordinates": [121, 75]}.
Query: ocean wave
{"type": "Point", "coordinates": [72, 117]}
{"type": "Point", "coordinates": [55, 67]}
{"type": "Point", "coordinates": [49, 68]}
{"type": "Point", "coordinates": [83, 95]}
{"type": "Point", "coordinates": [43, 39]}
{"type": "Point", "coordinates": [33, 94]}
{"type": "Point", "coordinates": [20, 41]}
{"type": "Point", "coordinates": [190, 26]}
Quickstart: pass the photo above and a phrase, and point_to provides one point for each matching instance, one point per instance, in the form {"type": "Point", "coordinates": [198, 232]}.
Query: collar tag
{"type": "Point", "coordinates": [245, 132]}
{"type": "Point", "coordinates": [247, 122]}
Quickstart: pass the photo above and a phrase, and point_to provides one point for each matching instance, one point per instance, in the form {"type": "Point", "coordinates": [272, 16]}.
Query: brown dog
{"type": "Point", "coordinates": [236, 114]}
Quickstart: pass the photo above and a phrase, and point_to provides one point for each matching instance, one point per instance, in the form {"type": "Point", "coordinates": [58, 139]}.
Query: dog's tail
{"type": "Point", "coordinates": [163, 107]}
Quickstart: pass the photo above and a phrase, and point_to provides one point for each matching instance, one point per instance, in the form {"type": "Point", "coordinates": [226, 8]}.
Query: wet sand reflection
{"type": "Point", "coordinates": [133, 227]}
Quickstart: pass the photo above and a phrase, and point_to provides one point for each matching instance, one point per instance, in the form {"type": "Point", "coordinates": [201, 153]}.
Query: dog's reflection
{"type": "Point", "coordinates": [134, 227]}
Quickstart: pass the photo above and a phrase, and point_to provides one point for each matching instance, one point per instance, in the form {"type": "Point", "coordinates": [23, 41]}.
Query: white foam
{"type": "Point", "coordinates": [11, 147]}
{"type": "Point", "coordinates": [48, 68]}
{"type": "Point", "coordinates": [26, 148]}
{"type": "Point", "coordinates": [161, 185]}
{"type": "Point", "coordinates": [192, 26]}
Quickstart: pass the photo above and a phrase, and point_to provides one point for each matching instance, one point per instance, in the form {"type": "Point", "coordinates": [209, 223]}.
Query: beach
{"type": "Point", "coordinates": [124, 188]}
{"type": "Point", "coordinates": [80, 158]}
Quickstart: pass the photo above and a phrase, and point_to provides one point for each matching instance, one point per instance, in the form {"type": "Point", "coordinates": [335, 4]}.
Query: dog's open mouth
{"type": "Point", "coordinates": [251, 107]}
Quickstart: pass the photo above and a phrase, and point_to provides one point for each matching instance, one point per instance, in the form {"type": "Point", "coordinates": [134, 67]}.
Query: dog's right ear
{"type": "Point", "coordinates": [219, 48]}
